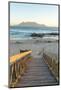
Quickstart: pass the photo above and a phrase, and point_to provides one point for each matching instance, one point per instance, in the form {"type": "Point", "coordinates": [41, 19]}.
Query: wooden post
{"type": "Point", "coordinates": [18, 67]}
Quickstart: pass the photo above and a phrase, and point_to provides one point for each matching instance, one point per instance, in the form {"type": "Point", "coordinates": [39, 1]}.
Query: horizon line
{"type": "Point", "coordinates": [31, 22]}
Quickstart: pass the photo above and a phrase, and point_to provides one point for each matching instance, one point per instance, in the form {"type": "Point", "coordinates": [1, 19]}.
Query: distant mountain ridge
{"type": "Point", "coordinates": [34, 25]}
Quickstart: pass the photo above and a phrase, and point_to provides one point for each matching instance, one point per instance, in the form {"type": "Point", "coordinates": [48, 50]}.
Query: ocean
{"type": "Point", "coordinates": [24, 34]}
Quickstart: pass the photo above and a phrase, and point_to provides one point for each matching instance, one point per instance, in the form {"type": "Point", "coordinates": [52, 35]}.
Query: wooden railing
{"type": "Point", "coordinates": [18, 65]}
{"type": "Point", "coordinates": [53, 64]}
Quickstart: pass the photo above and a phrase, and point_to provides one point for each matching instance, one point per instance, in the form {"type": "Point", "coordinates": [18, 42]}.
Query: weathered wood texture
{"type": "Point", "coordinates": [53, 65]}
{"type": "Point", "coordinates": [37, 74]}
{"type": "Point", "coordinates": [18, 66]}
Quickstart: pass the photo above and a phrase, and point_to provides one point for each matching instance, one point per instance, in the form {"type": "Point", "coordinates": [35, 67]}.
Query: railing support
{"type": "Point", "coordinates": [18, 68]}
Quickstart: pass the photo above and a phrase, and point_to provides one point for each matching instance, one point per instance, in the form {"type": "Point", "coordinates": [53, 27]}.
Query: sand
{"type": "Point", "coordinates": [36, 45]}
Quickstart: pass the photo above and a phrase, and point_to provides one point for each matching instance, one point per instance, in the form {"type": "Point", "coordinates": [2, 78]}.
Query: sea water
{"type": "Point", "coordinates": [21, 34]}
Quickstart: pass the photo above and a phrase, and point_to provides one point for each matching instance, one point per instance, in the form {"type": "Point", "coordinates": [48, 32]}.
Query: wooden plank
{"type": "Point", "coordinates": [38, 73]}
{"type": "Point", "coordinates": [19, 56]}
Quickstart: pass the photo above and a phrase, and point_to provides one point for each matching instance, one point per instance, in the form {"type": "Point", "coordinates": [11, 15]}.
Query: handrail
{"type": "Point", "coordinates": [19, 56]}
{"type": "Point", "coordinates": [18, 66]}
{"type": "Point", "coordinates": [53, 64]}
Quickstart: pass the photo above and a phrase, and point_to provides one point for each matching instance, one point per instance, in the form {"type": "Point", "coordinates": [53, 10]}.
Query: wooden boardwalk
{"type": "Point", "coordinates": [37, 74]}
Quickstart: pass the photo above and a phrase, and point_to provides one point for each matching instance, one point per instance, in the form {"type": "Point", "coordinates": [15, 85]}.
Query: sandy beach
{"type": "Point", "coordinates": [37, 45]}
{"type": "Point", "coordinates": [33, 45]}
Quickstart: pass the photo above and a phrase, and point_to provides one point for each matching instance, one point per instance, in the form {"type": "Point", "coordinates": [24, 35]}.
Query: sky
{"type": "Point", "coordinates": [39, 13]}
